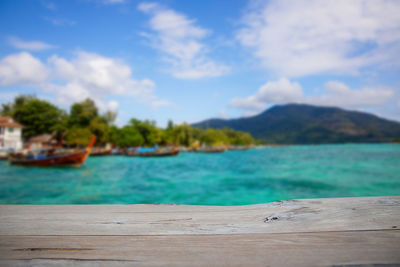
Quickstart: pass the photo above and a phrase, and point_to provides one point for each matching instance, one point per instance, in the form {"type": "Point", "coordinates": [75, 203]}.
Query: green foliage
{"type": "Point", "coordinates": [37, 116]}
{"type": "Point", "coordinates": [99, 127]}
{"type": "Point", "coordinates": [179, 135]}
{"type": "Point", "coordinates": [170, 125]}
{"type": "Point", "coordinates": [109, 116]}
{"type": "Point", "coordinates": [213, 137]}
{"type": "Point", "coordinates": [78, 136]}
{"type": "Point", "coordinates": [84, 120]}
{"type": "Point", "coordinates": [148, 130]}
{"type": "Point", "coordinates": [8, 109]}
{"type": "Point", "coordinates": [146, 133]}
{"type": "Point", "coordinates": [83, 113]}
{"type": "Point", "coordinates": [127, 136]}
{"type": "Point", "coordinates": [238, 138]}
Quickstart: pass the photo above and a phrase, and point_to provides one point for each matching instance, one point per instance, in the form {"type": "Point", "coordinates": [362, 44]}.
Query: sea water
{"type": "Point", "coordinates": [229, 178]}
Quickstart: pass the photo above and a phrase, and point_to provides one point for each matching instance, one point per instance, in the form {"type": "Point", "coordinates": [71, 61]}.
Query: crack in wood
{"type": "Point", "coordinates": [71, 259]}
{"type": "Point", "coordinates": [271, 218]}
{"type": "Point", "coordinates": [174, 220]}
{"type": "Point", "coordinates": [52, 249]}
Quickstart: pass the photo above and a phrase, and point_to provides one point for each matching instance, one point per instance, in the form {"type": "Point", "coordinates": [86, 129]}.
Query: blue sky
{"type": "Point", "coordinates": [192, 60]}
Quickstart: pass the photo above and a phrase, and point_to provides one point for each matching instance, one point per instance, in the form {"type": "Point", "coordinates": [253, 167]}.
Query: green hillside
{"type": "Point", "coordinates": [306, 124]}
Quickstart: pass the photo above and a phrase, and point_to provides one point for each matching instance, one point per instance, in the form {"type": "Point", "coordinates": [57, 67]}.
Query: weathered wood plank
{"type": "Point", "coordinates": [278, 217]}
{"type": "Point", "coordinates": [347, 231]}
{"type": "Point", "coordinates": [312, 215]}
{"type": "Point", "coordinates": [292, 249]}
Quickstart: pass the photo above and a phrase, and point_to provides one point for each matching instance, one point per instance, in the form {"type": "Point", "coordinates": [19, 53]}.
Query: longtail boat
{"type": "Point", "coordinates": [211, 149]}
{"type": "Point", "coordinates": [119, 151]}
{"type": "Point", "coordinates": [153, 153]}
{"type": "Point", "coordinates": [53, 157]}
{"type": "Point", "coordinates": [99, 151]}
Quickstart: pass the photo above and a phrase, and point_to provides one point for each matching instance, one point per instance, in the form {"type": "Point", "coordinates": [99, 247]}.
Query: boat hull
{"type": "Point", "coordinates": [74, 159]}
{"type": "Point", "coordinates": [102, 153]}
{"type": "Point", "coordinates": [211, 150]}
{"type": "Point", "coordinates": [155, 154]}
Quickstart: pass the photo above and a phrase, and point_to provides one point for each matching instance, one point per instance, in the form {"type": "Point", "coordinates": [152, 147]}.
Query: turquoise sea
{"type": "Point", "coordinates": [230, 178]}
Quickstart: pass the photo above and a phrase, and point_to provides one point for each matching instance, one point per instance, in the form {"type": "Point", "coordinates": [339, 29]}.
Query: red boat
{"type": "Point", "coordinates": [154, 153]}
{"type": "Point", "coordinates": [73, 158]}
{"type": "Point", "coordinates": [98, 151]}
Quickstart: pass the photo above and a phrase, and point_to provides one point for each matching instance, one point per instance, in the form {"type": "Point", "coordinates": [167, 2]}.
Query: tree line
{"type": "Point", "coordinates": [84, 120]}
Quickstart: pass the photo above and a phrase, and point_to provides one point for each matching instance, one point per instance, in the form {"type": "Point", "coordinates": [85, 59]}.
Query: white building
{"type": "Point", "coordinates": [10, 134]}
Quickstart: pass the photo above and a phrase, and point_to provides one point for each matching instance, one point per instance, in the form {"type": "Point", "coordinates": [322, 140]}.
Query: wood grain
{"type": "Point", "coordinates": [313, 232]}
{"type": "Point", "coordinates": [313, 215]}
{"type": "Point", "coordinates": [293, 249]}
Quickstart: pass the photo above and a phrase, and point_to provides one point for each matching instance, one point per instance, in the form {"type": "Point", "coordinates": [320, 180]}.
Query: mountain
{"type": "Point", "coordinates": [306, 124]}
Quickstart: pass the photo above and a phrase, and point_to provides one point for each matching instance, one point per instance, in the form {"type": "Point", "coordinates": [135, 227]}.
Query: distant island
{"type": "Point", "coordinates": [307, 124]}
{"type": "Point", "coordinates": [281, 124]}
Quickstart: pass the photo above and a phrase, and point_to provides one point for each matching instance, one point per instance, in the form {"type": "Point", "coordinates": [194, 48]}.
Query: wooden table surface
{"type": "Point", "coordinates": [313, 232]}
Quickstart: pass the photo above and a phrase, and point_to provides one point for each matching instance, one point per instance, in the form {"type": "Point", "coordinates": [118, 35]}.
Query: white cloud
{"type": "Point", "coordinates": [28, 45]}
{"type": "Point", "coordinates": [334, 93]}
{"type": "Point", "coordinates": [181, 42]}
{"type": "Point", "coordinates": [95, 76]}
{"type": "Point", "coordinates": [297, 38]}
{"type": "Point", "coordinates": [112, 105]}
{"type": "Point", "coordinates": [85, 75]}
{"type": "Point", "coordinates": [339, 94]}
{"type": "Point", "coordinates": [281, 91]}
{"type": "Point", "coordinates": [248, 103]}
{"type": "Point", "coordinates": [22, 68]}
